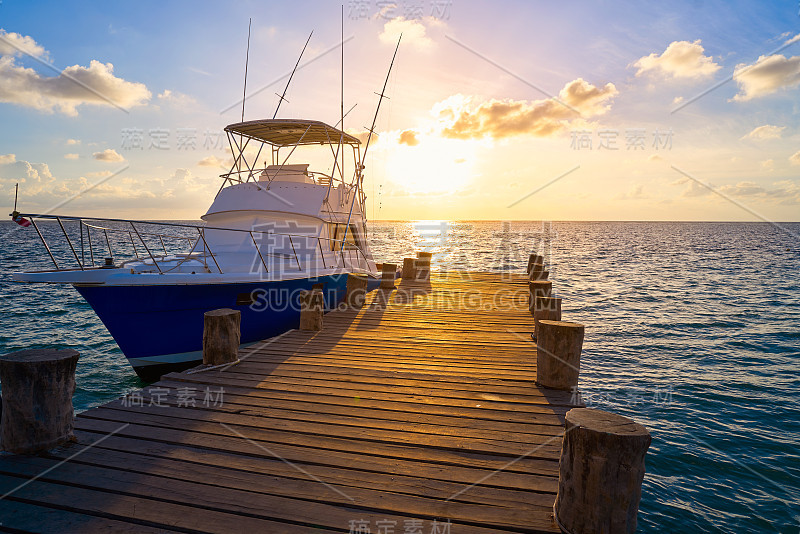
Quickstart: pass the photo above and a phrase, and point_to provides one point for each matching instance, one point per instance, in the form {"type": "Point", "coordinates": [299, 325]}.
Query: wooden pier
{"type": "Point", "coordinates": [416, 414]}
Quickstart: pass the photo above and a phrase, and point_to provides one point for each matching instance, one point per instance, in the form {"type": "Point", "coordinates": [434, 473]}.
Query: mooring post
{"type": "Point", "coordinates": [539, 275]}
{"type": "Point", "coordinates": [424, 265]}
{"type": "Point", "coordinates": [538, 271]}
{"type": "Point", "coordinates": [545, 308]}
{"type": "Point", "coordinates": [356, 293]}
{"type": "Point", "coordinates": [538, 288]}
{"type": "Point", "coordinates": [221, 336]}
{"type": "Point", "coordinates": [38, 385]}
{"type": "Point", "coordinates": [409, 269]}
{"type": "Point", "coordinates": [312, 307]}
{"type": "Point", "coordinates": [600, 472]}
{"type": "Point", "coordinates": [534, 258]}
{"type": "Point", "coordinates": [558, 354]}
{"type": "Point", "coordinates": [388, 275]}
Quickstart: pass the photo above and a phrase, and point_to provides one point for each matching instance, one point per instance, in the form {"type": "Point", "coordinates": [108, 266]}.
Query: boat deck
{"type": "Point", "coordinates": [416, 414]}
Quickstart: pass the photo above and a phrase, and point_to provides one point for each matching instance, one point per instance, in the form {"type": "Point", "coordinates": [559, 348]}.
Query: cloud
{"type": "Point", "coordinates": [505, 118]}
{"type": "Point", "coordinates": [211, 161]}
{"type": "Point", "coordinates": [413, 31]}
{"type": "Point", "coordinates": [14, 44]}
{"type": "Point", "coordinates": [108, 155]}
{"type": "Point", "coordinates": [71, 156]}
{"type": "Point", "coordinates": [794, 159]}
{"type": "Point", "coordinates": [766, 76]}
{"type": "Point", "coordinates": [175, 98]}
{"type": "Point", "coordinates": [636, 192]}
{"type": "Point", "coordinates": [8, 158]}
{"type": "Point", "coordinates": [681, 59]}
{"type": "Point", "coordinates": [785, 192]}
{"type": "Point", "coordinates": [68, 90]}
{"type": "Point", "coordinates": [99, 174]}
{"type": "Point", "coordinates": [765, 132]}
{"type": "Point", "coordinates": [73, 141]}
{"type": "Point", "coordinates": [32, 177]}
{"type": "Point", "coordinates": [693, 189]}
{"type": "Point", "coordinates": [792, 40]}
{"type": "Point", "coordinates": [408, 137]}
{"type": "Point", "coordinates": [768, 165]}
{"type": "Point", "coordinates": [198, 71]}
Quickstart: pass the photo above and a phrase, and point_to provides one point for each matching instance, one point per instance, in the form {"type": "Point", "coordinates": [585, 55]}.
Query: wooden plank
{"type": "Point", "coordinates": [35, 518]}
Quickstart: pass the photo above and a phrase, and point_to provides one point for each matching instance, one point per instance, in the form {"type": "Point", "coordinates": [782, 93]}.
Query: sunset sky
{"type": "Point", "coordinates": [503, 110]}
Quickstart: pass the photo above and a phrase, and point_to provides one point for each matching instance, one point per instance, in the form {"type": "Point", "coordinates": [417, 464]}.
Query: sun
{"type": "Point", "coordinates": [432, 165]}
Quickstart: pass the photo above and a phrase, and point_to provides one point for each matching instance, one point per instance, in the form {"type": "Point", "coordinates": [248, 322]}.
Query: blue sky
{"type": "Point", "coordinates": [469, 130]}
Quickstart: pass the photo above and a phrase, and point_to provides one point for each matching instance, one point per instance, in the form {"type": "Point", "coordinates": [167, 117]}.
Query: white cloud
{"type": "Point", "coordinates": [14, 44]}
{"type": "Point", "coordinates": [792, 40]}
{"type": "Point", "coordinates": [73, 141]}
{"type": "Point", "coordinates": [766, 76]}
{"type": "Point", "coordinates": [413, 31]}
{"type": "Point", "coordinates": [766, 131]}
{"type": "Point", "coordinates": [768, 165]}
{"type": "Point", "coordinates": [636, 192]}
{"type": "Point", "coordinates": [32, 177]}
{"type": "Point", "coordinates": [681, 59]}
{"type": "Point", "coordinates": [211, 161]}
{"type": "Point", "coordinates": [794, 159]}
{"type": "Point", "coordinates": [68, 90]}
{"type": "Point", "coordinates": [71, 156]}
{"type": "Point", "coordinates": [8, 158]}
{"type": "Point", "coordinates": [505, 118]}
{"type": "Point", "coordinates": [108, 155]}
{"type": "Point", "coordinates": [175, 98]}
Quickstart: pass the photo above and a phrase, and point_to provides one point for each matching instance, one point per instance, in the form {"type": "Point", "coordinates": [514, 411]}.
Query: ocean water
{"type": "Point", "coordinates": [691, 330]}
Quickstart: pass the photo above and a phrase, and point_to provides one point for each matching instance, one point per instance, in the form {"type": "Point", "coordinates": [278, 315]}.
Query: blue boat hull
{"type": "Point", "coordinates": [159, 328]}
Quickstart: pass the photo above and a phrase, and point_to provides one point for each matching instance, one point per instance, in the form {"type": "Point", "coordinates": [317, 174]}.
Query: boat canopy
{"type": "Point", "coordinates": [291, 132]}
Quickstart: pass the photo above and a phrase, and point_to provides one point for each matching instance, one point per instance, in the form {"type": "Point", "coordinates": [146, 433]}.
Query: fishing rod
{"type": "Point", "coordinates": [246, 62]}
{"type": "Point", "coordinates": [291, 76]}
{"type": "Point", "coordinates": [366, 148]}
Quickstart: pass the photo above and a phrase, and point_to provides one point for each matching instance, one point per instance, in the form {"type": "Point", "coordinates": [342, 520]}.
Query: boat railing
{"type": "Point", "coordinates": [341, 254]}
{"type": "Point", "coordinates": [253, 175]}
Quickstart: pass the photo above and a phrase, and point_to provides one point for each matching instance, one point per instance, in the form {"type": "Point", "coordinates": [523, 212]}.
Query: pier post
{"type": "Point", "coordinates": [534, 258]}
{"type": "Point", "coordinates": [539, 275]}
{"type": "Point", "coordinates": [600, 472]}
{"type": "Point", "coordinates": [221, 336]}
{"type": "Point", "coordinates": [538, 271]}
{"type": "Point", "coordinates": [388, 275]}
{"type": "Point", "coordinates": [312, 307]}
{"type": "Point", "coordinates": [424, 265]}
{"type": "Point", "coordinates": [548, 308]}
{"type": "Point", "coordinates": [558, 354]}
{"type": "Point", "coordinates": [538, 288]}
{"type": "Point", "coordinates": [356, 293]}
{"type": "Point", "coordinates": [38, 385]}
{"type": "Point", "coordinates": [409, 269]}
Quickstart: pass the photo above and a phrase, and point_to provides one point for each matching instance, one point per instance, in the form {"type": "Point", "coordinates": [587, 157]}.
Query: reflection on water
{"type": "Point", "coordinates": [691, 329]}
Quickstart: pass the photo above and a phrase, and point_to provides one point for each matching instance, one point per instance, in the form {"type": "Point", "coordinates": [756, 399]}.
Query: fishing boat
{"type": "Point", "coordinates": [272, 232]}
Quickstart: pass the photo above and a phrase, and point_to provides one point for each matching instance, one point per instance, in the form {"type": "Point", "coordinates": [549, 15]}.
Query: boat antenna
{"type": "Point", "coordinates": [341, 120]}
{"type": "Point", "coordinates": [246, 62]}
{"type": "Point", "coordinates": [290, 76]}
{"type": "Point", "coordinates": [16, 193]}
{"type": "Point", "coordinates": [382, 96]}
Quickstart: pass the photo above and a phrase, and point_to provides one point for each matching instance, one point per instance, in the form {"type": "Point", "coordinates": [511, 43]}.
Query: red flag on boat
{"type": "Point", "coordinates": [22, 221]}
